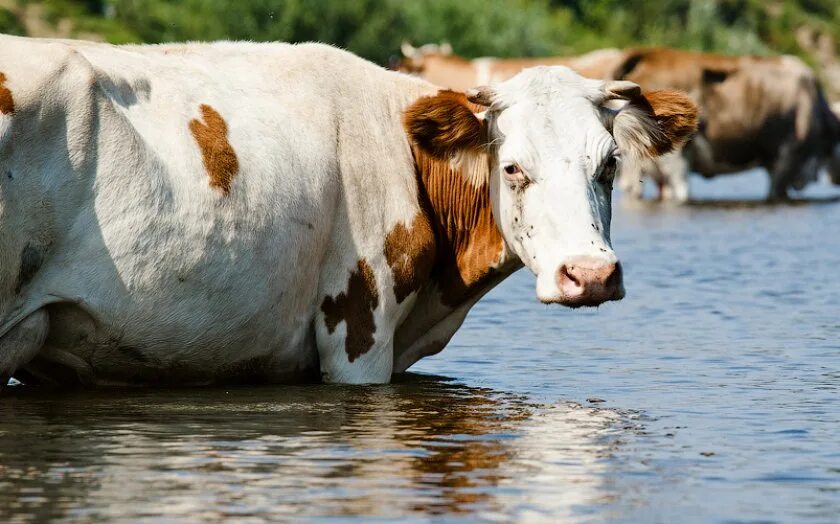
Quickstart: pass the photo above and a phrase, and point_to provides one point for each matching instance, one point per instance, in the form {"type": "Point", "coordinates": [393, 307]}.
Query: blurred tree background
{"type": "Point", "coordinates": [375, 28]}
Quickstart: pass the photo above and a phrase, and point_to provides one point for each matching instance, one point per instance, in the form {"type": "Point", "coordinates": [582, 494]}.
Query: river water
{"type": "Point", "coordinates": [710, 394]}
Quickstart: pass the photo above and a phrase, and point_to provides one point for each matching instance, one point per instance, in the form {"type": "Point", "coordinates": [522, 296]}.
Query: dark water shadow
{"type": "Point", "coordinates": [730, 203]}
{"type": "Point", "coordinates": [425, 444]}
{"type": "Point", "coordinates": [748, 204]}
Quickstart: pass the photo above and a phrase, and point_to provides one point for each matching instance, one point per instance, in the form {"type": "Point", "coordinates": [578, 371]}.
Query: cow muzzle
{"type": "Point", "coordinates": [588, 281]}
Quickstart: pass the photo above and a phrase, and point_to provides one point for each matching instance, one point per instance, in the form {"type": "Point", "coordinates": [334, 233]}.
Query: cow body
{"type": "Point", "coordinates": [239, 212]}
{"type": "Point", "coordinates": [765, 112]}
{"type": "Point", "coordinates": [160, 272]}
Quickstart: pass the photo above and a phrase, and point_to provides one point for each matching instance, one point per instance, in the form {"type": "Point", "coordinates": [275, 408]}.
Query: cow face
{"type": "Point", "coordinates": [553, 142]}
{"type": "Point", "coordinates": [414, 59]}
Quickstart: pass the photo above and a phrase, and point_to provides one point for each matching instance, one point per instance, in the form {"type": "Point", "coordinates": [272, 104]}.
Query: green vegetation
{"type": "Point", "coordinates": [375, 28]}
{"type": "Point", "coordinates": [9, 23]}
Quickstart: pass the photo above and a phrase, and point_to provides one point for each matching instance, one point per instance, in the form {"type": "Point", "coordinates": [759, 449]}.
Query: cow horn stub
{"type": "Point", "coordinates": [622, 89]}
{"type": "Point", "coordinates": [481, 95]}
{"type": "Point", "coordinates": [407, 49]}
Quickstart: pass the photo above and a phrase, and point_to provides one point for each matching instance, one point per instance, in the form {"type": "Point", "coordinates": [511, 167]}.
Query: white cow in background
{"type": "Point", "coordinates": [241, 212]}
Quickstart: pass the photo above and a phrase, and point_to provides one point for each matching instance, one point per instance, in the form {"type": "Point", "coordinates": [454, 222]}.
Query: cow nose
{"type": "Point", "coordinates": [588, 281]}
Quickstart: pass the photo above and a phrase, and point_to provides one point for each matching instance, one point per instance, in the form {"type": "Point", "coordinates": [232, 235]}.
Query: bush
{"type": "Point", "coordinates": [10, 24]}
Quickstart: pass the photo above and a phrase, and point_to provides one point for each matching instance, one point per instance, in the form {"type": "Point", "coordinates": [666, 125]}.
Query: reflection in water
{"type": "Point", "coordinates": [423, 446]}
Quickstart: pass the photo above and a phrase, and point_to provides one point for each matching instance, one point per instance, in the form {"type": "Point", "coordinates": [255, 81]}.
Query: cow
{"type": "Point", "coordinates": [439, 65]}
{"type": "Point", "coordinates": [833, 164]}
{"type": "Point", "coordinates": [755, 111]}
{"type": "Point", "coordinates": [263, 212]}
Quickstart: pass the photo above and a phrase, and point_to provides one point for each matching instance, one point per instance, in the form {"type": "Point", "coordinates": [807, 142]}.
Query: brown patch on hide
{"type": "Point", "coordinates": [410, 252]}
{"type": "Point", "coordinates": [219, 157]}
{"type": "Point", "coordinates": [7, 102]}
{"type": "Point", "coordinates": [443, 125]}
{"type": "Point", "coordinates": [469, 246]}
{"type": "Point", "coordinates": [354, 307]}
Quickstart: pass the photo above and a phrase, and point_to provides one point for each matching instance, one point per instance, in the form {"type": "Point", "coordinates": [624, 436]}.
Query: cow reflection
{"type": "Point", "coordinates": [421, 446]}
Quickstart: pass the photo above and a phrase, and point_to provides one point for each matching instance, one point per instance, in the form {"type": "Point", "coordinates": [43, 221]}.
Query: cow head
{"type": "Point", "coordinates": [414, 59]}
{"type": "Point", "coordinates": [552, 142]}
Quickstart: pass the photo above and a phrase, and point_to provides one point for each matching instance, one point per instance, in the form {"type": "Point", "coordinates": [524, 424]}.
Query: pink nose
{"type": "Point", "coordinates": [588, 281]}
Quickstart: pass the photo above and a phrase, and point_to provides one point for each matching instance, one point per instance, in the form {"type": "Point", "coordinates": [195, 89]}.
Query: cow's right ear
{"type": "Point", "coordinates": [652, 123]}
{"type": "Point", "coordinates": [444, 126]}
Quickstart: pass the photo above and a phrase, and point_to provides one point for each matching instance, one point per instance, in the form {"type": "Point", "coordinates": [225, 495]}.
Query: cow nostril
{"type": "Point", "coordinates": [567, 274]}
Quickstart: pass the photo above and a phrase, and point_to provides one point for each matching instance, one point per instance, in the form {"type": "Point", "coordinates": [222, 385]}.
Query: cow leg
{"type": "Point", "coordinates": [21, 343]}
{"type": "Point", "coordinates": [778, 190]}
{"type": "Point", "coordinates": [346, 359]}
{"type": "Point", "coordinates": [630, 179]}
{"type": "Point", "coordinates": [783, 171]}
{"type": "Point", "coordinates": [673, 176]}
{"type": "Point", "coordinates": [669, 173]}
{"type": "Point", "coordinates": [355, 324]}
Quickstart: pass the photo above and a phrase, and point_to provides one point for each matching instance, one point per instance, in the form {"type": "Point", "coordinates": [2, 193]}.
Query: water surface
{"type": "Point", "coordinates": [710, 394]}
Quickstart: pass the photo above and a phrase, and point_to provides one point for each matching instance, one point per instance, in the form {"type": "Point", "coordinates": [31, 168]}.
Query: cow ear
{"type": "Point", "coordinates": [621, 90]}
{"type": "Point", "coordinates": [655, 123]}
{"type": "Point", "coordinates": [444, 126]}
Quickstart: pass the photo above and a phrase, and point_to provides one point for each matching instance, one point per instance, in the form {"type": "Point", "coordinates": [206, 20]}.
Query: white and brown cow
{"type": "Point", "coordinates": [268, 212]}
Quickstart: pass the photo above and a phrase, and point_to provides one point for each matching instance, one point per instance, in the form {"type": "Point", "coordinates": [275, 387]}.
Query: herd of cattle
{"type": "Point", "coordinates": [754, 111]}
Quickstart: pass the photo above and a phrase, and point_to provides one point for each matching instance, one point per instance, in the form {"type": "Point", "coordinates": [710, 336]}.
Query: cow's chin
{"type": "Point", "coordinates": [576, 302]}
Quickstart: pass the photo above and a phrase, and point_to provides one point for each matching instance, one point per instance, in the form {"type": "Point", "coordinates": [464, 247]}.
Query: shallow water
{"type": "Point", "coordinates": [710, 394]}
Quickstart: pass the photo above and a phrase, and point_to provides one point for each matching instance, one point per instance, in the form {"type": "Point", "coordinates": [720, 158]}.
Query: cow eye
{"type": "Point", "coordinates": [608, 169]}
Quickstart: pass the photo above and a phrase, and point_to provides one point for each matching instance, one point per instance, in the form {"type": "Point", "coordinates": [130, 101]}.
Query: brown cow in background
{"type": "Point", "coordinates": [765, 112]}
{"type": "Point", "coordinates": [439, 65]}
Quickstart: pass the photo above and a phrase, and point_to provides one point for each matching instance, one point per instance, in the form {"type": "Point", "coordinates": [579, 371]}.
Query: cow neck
{"type": "Point", "coordinates": [470, 250]}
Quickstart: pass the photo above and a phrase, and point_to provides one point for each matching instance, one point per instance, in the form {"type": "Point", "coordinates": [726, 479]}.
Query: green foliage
{"type": "Point", "coordinates": [375, 28]}
{"type": "Point", "coordinates": [10, 24]}
{"type": "Point", "coordinates": [87, 17]}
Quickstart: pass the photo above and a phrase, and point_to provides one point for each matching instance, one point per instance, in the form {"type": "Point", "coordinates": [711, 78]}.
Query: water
{"type": "Point", "coordinates": [710, 394]}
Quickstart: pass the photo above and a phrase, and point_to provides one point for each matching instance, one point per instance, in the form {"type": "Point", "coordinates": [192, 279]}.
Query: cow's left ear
{"type": "Point", "coordinates": [444, 125]}
{"type": "Point", "coordinates": [654, 123]}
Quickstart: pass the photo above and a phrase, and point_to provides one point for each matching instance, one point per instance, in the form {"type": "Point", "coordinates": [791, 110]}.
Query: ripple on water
{"type": "Point", "coordinates": [426, 445]}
